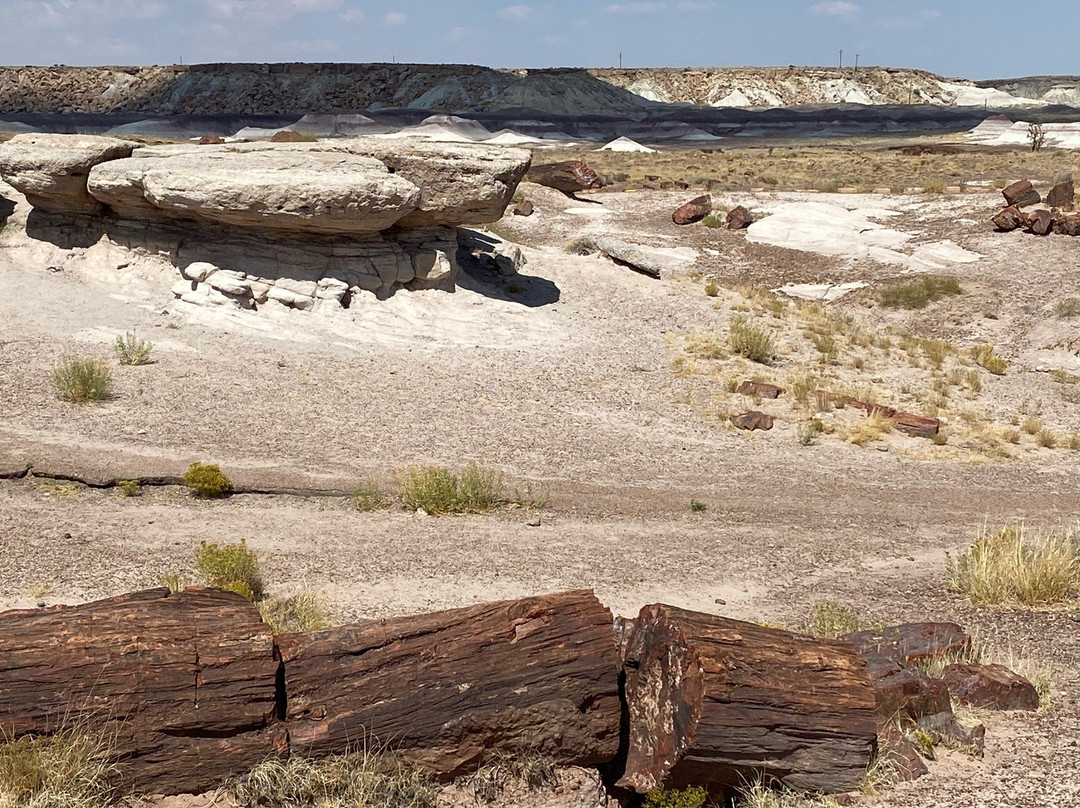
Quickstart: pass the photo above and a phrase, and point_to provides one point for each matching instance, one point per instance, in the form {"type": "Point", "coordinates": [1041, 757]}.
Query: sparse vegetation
{"type": "Point", "coordinates": [1011, 567]}
{"type": "Point", "coordinates": [711, 289]}
{"type": "Point", "coordinates": [233, 567]}
{"type": "Point", "coordinates": [751, 341]}
{"type": "Point", "coordinates": [357, 780]}
{"type": "Point", "coordinates": [130, 350]}
{"type": "Point", "coordinates": [714, 220]}
{"type": "Point", "coordinates": [809, 432]}
{"type": "Point", "coordinates": [920, 293]}
{"type": "Point", "coordinates": [69, 769]}
{"type": "Point", "coordinates": [1068, 308]}
{"type": "Point", "coordinates": [870, 429]}
{"type": "Point", "coordinates": [535, 772]}
{"type": "Point", "coordinates": [697, 506]}
{"type": "Point", "coordinates": [207, 481]}
{"type": "Point", "coordinates": [830, 620]}
{"type": "Point", "coordinates": [1036, 135]}
{"type": "Point", "coordinates": [692, 797]}
{"type": "Point", "coordinates": [81, 380]}
{"type": "Point", "coordinates": [759, 795]}
{"type": "Point", "coordinates": [984, 355]}
{"type": "Point", "coordinates": [302, 611]}
{"type": "Point", "coordinates": [129, 488]}
{"type": "Point", "coordinates": [439, 490]}
{"type": "Point", "coordinates": [368, 496]}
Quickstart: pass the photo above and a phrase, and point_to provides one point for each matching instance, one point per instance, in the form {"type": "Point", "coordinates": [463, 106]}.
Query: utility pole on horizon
{"type": "Point", "coordinates": [856, 69]}
{"type": "Point", "coordinates": [620, 60]}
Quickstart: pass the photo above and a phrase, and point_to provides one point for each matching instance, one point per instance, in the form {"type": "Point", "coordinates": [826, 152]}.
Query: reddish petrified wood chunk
{"type": "Point", "coordinates": [693, 211]}
{"type": "Point", "coordinates": [568, 176]}
{"type": "Point", "coordinates": [535, 675]}
{"type": "Point", "coordinates": [913, 642]}
{"type": "Point", "coordinates": [900, 755]}
{"type": "Point", "coordinates": [184, 685]}
{"type": "Point", "coordinates": [718, 703]}
{"type": "Point", "coordinates": [902, 690]}
{"type": "Point", "coordinates": [752, 420]}
{"type": "Point", "coordinates": [992, 687]}
{"type": "Point", "coordinates": [918, 426]}
{"type": "Point", "coordinates": [1063, 192]}
{"type": "Point", "coordinates": [739, 218]}
{"type": "Point", "coordinates": [760, 390]}
{"type": "Point", "coordinates": [1008, 219]}
{"type": "Point", "coordinates": [1021, 194]}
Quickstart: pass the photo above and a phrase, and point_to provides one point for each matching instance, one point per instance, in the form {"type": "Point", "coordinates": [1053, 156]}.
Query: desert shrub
{"type": "Point", "coordinates": [712, 289]}
{"type": "Point", "coordinates": [368, 496]}
{"type": "Point", "coordinates": [174, 582]}
{"type": "Point", "coordinates": [751, 341]}
{"type": "Point", "coordinates": [714, 220]}
{"type": "Point", "coordinates": [531, 497]}
{"type": "Point", "coordinates": [302, 611]}
{"type": "Point", "coordinates": [233, 567]}
{"type": "Point", "coordinates": [69, 769]}
{"type": "Point", "coordinates": [758, 794]}
{"type": "Point", "coordinates": [439, 490]}
{"type": "Point", "coordinates": [582, 245]}
{"type": "Point", "coordinates": [534, 771]}
{"type": "Point", "coordinates": [984, 356]}
{"type": "Point", "coordinates": [920, 293]}
{"type": "Point", "coordinates": [207, 481]}
{"type": "Point", "coordinates": [130, 350]}
{"type": "Point", "coordinates": [1068, 308]}
{"type": "Point", "coordinates": [826, 346]}
{"type": "Point", "coordinates": [1046, 439]}
{"type": "Point", "coordinates": [1011, 568]}
{"type": "Point", "coordinates": [870, 429]}
{"type": "Point", "coordinates": [82, 379]}
{"type": "Point", "coordinates": [697, 506]}
{"type": "Point", "coordinates": [693, 797]}
{"type": "Point", "coordinates": [830, 620]}
{"type": "Point", "coordinates": [933, 186]}
{"type": "Point", "coordinates": [357, 780]}
{"type": "Point", "coordinates": [129, 488]}
{"type": "Point", "coordinates": [1033, 425]}
{"type": "Point", "coordinates": [809, 432]}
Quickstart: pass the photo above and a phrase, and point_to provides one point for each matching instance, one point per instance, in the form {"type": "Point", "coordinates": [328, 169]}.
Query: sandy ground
{"type": "Point", "coordinates": [566, 385]}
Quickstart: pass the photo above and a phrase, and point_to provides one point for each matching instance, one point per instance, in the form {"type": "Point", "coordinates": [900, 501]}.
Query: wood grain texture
{"type": "Point", "coordinates": [183, 684]}
{"type": "Point", "coordinates": [719, 702]}
{"type": "Point", "coordinates": [444, 689]}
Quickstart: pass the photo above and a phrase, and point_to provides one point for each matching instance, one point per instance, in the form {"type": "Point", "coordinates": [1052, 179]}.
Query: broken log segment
{"type": "Point", "coordinates": [569, 176]}
{"type": "Point", "coordinates": [443, 690]}
{"type": "Point", "coordinates": [718, 703]}
{"type": "Point", "coordinates": [1021, 194]}
{"type": "Point", "coordinates": [183, 685]}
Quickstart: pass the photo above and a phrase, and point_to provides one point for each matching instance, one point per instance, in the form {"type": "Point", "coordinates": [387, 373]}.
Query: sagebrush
{"type": "Point", "coordinates": [82, 379]}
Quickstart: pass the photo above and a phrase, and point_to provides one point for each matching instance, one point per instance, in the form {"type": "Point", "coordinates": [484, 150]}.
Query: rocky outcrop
{"type": "Point", "coordinates": [51, 170]}
{"type": "Point", "coordinates": [299, 225]}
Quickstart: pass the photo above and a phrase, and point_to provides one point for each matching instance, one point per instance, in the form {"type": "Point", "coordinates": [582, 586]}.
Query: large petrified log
{"type": "Point", "coordinates": [569, 176]}
{"type": "Point", "coordinates": [693, 211]}
{"type": "Point", "coordinates": [184, 686]}
{"type": "Point", "coordinates": [719, 702]}
{"type": "Point", "coordinates": [444, 689]}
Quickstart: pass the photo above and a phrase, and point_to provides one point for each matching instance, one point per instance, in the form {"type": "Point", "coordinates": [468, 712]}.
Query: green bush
{"type": "Point", "coordinates": [697, 506]}
{"type": "Point", "coordinates": [439, 490]}
{"type": "Point", "coordinates": [233, 567]}
{"type": "Point", "coordinates": [750, 341]}
{"type": "Point", "coordinates": [207, 481]}
{"type": "Point", "coordinates": [82, 379]}
{"type": "Point", "coordinates": [130, 350]}
{"type": "Point", "coordinates": [920, 293]}
{"type": "Point", "coordinates": [129, 488]}
{"type": "Point", "coordinates": [712, 289]}
{"type": "Point", "coordinates": [693, 797]}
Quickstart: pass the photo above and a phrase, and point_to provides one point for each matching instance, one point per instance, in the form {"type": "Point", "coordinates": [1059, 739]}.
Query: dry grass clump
{"type": "Point", "coordinates": [130, 350]}
{"type": "Point", "coordinates": [704, 346]}
{"type": "Point", "coordinates": [355, 780]}
{"type": "Point", "coordinates": [870, 429]}
{"type": "Point", "coordinates": [69, 769]}
{"type": "Point", "coordinates": [302, 611]}
{"type": "Point", "coordinates": [81, 380]}
{"type": "Point", "coordinates": [439, 490]}
{"type": "Point", "coordinates": [1012, 568]}
{"type": "Point", "coordinates": [984, 356]}
{"type": "Point", "coordinates": [760, 795]}
{"type": "Point", "coordinates": [1068, 308]}
{"type": "Point", "coordinates": [920, 293]}
{"type": "Point", "coordinates": [368, 496]}
{"type": "Point", "coordinates": [751, 341]}
{"type": "Point", "coordinates": [830, 620]}
{"type": "Point", "coordinates": [535, 772]}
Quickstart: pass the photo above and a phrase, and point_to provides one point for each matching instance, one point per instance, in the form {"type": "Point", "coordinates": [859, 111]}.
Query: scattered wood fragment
{"type": "Point", "coordinates": [759, 389]}
{"type": "Point", "coordinates": [693, 211]}
{"type": "Point", "coordinates": [752, 421]}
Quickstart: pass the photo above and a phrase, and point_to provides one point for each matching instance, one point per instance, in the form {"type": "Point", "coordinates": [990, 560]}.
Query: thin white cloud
{"type": "Point", "coordinates": [836, 8]}
{"type": "Point", "coordinates": [353, 15]}
{"type": "Point", "coordinates": [393, 18]}
{"type": "Point", "coordinates": [696, 5]}
{"type": "Point", "coordinates": [636, 8]}
{"type": "Point", "coordinates": [516, 13]}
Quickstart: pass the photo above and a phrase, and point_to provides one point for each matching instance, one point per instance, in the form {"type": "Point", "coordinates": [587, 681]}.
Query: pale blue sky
{"type": "Point", "coordinates": [971, 38]}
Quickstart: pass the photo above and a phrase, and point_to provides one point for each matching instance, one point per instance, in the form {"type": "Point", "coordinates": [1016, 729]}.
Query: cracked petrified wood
{"type": "Point", "coordinates": [446, 689]}
{"type": "Point", "coordinates": [718, 703]}
{"type": "Point", "coordinates": [183, 686]}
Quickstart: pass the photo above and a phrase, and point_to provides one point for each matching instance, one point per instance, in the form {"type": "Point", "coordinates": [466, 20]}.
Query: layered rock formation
{"type": "Point", "coordinates": [252, 224]}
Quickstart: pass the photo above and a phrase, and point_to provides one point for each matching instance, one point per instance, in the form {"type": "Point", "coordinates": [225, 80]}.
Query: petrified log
{"type": "Point", "coordinates": [211, 140]}
{"type": "Point", "coordinates": [1040, 222]}
{"type": "Point", "coordinates": [759, 389]}
{"type": "Point", "coordinates": [912, 642]}
{"type": "Point", "coordinates": [444, 689]}
{"type": "Point", "coordinates": [569, 176]}
{"type": "Point", "coordinates": [902, 690]}
{"type": "Point", "coordinates": [739, 218]}
{"type": "Point", "coordinates": [1063, 192]}
{"type": "Point", "coordinates": [630, 256]}
{"type": "Point", "coordinates": [1067, 225]}
{"type": "Point", "coordinates": [918, 426]}
{"type": "Point", "coordinates": [693, 211]}
{"type": "Point", "coordinates": [1009, 219]}
{"type": "Point", "coordinates": [184, 686]}
{"type": "Point", "coordinates": [992, 687]}
{"type": "Point", "coordinates": [1021, 194]}
{"type": "Point", "coordinates": [718, 703]}
{"type": "Point", "coordinates": [753, 420]}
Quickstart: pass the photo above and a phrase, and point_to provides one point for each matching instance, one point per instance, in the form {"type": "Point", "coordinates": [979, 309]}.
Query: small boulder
{"type": "Point", "coordinates": [523, 208]}
{"type": "Point", "coordinates": [1067, 225]}
{"type": "Point", "coordinates": [753, 420]}
{"type": "Point", "coordinates": [992, 687]}
{"type": "Point", "coordinates": [1021, 194]}
{"type": "Point", "coordinates": [1009, 219]}
{"type": "Point", "coordinates": [739, 218]}
{"type": "Point", "coordinates": [693, 211]}
{"type": "Point", "coordinates": [1063, 193]}
{"type": "Point", "coordinates": [288, 136]}
{"type": "Point", "coordinates": [211, 140]}
{"type": "Point", "coordinates": [569, 176]}
{"type": "Point", "coordinates": [759, 390]}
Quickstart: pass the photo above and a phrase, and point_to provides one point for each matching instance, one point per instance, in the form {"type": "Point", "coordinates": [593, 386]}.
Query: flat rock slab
{"type": "Point", "coordinates": [284, 188]}
{"type": "Point", "coordinates": [992, 687]}
{"type": "Point", "coordinates": [51, 170]}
